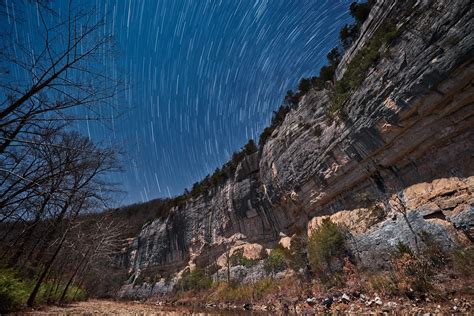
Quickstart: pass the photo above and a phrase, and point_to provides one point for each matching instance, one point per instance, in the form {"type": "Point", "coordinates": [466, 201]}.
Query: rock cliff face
{"type": "Point", "coordinates": [398, 164]}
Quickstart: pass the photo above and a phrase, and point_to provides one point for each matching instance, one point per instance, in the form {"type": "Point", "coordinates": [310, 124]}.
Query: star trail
{"type": "Point", "coordinates": [202, 78]}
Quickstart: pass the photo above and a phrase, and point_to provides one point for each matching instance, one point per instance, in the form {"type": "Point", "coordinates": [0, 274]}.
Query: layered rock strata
{"type": "Point", "coordinates": [398, 164]}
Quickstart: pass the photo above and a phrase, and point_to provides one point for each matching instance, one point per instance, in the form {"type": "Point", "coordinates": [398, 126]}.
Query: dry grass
{"type": "Point", "coordinates": [243, 292]}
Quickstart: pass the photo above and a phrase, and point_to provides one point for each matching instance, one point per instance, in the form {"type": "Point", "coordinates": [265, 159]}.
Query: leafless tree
{"type": "Point", "coordinates": [84, 188]}
{"type": "Point", "coordinates": [50, 177]}
{"type": "Point", "coordinates": [105, 238]}
{"type": "Point", "coordinates": [67, 67]}
{"type": "Point", "coordinates": [60, 77]}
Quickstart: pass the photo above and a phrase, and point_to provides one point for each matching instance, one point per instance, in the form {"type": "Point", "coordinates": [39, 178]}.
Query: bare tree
{"type": "Point", "coordinates": [104, 242]}
{"type": "Point", "coordinates": [51, 177]}
{"type": "Point", "coordinates": [84, 188]}
{"type": "Point", "coordinates": [43, 80]}
{"type": "Point", "coordinates": [45, 84]}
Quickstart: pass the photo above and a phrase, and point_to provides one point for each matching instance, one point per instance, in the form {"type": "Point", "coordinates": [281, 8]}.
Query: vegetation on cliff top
{"type": "Point", "coordinates": [359, 12]}
{"type": "Point", "coordinates": [358, 67]}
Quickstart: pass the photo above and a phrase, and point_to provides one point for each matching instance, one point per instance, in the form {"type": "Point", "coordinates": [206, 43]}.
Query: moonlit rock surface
{"type": "Point", "coordinates": [409, 129]}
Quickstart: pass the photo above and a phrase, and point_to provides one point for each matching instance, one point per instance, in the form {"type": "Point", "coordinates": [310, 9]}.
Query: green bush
{"type": "Point", "coordinates": [304, 85]}
{"type": "Point", "coordinates": [75, 293]}
{"type": "Point", "coordinates": [277, 119]}
{"type": "Point", "coordinates": [238, 258]}
{"type": "Point", "coordinates": [403, 248]}
{"type": "Point", "coordinates": [13, 291]}
{"type": "Point", "coordinates": [15, 288]}
{"type": "Point", "coordinates": [360, 11]}
{"type": "Point", "coordinates": [276, 260]}
{"type": "Point", "coordinates": [292, 99]}
{"type": "Point", "coordinates": [360, 64]}
{"type": "Point", "coordinates": [297, 255]}
{"type": "Point", "coordinates": [263, 286]}
{"type": "Point", "coordinates": [347, 34]}
{"type": "Point", "coordinates": [194, 281]}
{"type": "Point", "coordinates": [327, 250]}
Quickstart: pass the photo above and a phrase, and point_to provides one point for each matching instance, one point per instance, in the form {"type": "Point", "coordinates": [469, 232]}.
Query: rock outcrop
{"type": "Point", "coordinates": [399, 163]}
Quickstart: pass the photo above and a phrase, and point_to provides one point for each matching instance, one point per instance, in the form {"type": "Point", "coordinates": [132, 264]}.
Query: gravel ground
{"type": "Point", "coordinates": [102, 307]}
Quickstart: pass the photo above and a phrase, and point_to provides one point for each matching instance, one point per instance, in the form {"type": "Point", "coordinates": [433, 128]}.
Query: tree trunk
{"type": "Point", "coordinates": [34, 293]}
{"type": "Point", "coordinates": [74, 275]}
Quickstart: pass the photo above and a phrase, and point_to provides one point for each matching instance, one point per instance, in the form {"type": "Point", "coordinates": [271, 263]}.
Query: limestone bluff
{"type": "Point", "coordinates": [400, 161]}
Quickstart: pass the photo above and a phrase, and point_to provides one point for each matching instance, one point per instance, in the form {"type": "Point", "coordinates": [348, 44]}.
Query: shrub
{"type": "Point", "coordinates": [347, 35]}
{"type": "Point", "coordinates": [327, 250]}
{"type": "Point", "coordinates": [219, 176]}
{"type": "Point", "coordinates": [462, 261]}
{"type": "Point", "coordinates": [209, 270]}
{"type": "Point", "coordinates": [317, 131]}
{"type": "Point", "coordinates": [304, 85]}
{"type": "Point", "coordinates": [238, 258]}
{"type": "Point", "coordinates": [360, 11]}
{"type": "Point", "coordinates": [194, 280]}
{"type": "Point", "coordinates": [15, 288]}
{"type": "Point", "coordinates": [337, 102]}
{"type": "Point", "coordinates": [360, 64]}
{"type": "Point", "coordinates": [383, 283]}
{"type": "Point", "coordinates": [277, 119]}
{"type": "Point", "coordinates": [233, 292]}
{"type": "Point", "coordinates": [244, 292]}
{"type": "Point", "coordinates": [403, 248]}
{"type": "Point", "coordinates": [250, 147]}
{"type": "Point", "coordinates": [415, 272]}
{"type": "Point", "coordinates": [13, 291]}
{"type": "Point", "coordinates": [267, 132]}
{"type": "Point", "coordinates": [75, 293]}
{"type": "Point", "coordinates": [412, 272]}
{"type": "Point", "coordinates": [292, 99]}
{"type": "Point", "coordinates": [296, 255]}
{"type": "Point", "coordinates": [432, 251]}
{"type": "Point", "coordinates": [326, 73]}
{"type": "Point", "coordinates": [351, 275]}
{"type": "Point", "coordinates": [262, 286]}
{"type": "Point", "coordinates": [318, 82]}
{"type": "Point", "coordinates": [276, 260]}
{"type": "Point", "coordinates": [334, 57]}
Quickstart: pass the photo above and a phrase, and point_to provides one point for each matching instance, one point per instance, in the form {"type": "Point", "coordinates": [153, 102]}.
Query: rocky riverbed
{"type": "Point", "coordinates": [311, 306]}
{"type": "Point", "coordinates": [106, 307]}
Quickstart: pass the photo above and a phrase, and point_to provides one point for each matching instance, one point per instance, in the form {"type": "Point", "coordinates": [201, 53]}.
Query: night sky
{"type": "Point", "coordinates": [204, 77]}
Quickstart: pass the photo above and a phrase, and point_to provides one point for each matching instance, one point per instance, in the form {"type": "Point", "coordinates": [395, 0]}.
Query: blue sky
{"type": "Point", "coordinates": [204, 77]}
